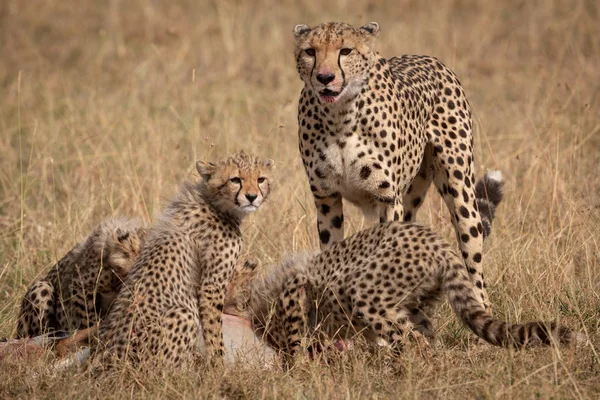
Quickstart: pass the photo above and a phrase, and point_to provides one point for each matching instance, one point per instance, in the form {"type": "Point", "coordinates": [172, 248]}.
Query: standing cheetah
{"type": "Point", "coordinates": [379, 283]}
{"type": "Point", "coordinates": [378, 131]}
{"type": "Point", "coordinates": [187, 261]}
{"type": "Point", "coordinates": [77, 290]}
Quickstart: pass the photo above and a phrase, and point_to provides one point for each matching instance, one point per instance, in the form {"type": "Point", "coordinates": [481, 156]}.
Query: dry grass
{"type": "Point", "coordinates": [104, 106]}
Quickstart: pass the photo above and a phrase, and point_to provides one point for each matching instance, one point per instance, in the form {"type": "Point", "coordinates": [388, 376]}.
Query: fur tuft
{"type": "Point", "coordinates": [267, 288]}
{"type": "Point", "coordinates": [494, 175]}
{"type": "Point", "coordinates": [489, 192]}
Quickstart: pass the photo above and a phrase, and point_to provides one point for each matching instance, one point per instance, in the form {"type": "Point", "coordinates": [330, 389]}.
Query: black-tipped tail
{"type": "Point", "coordinates": [489, 192]}
{"type": "Point", "coordinates": [463, 300]}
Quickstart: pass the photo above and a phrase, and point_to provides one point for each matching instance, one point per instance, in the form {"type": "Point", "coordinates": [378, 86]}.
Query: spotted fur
{"type": "Point", "coordinates": [187, 261]}
{"type": "Point", "coordinates": [77, 290]}
{"type": "Point", "coordinates": [378, 131]}
{"type": "Point", "coordinates": [372, 284]}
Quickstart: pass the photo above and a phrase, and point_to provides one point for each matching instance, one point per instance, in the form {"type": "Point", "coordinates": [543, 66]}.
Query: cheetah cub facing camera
{"type": "Point", "coordinates": [381, 283]}
{"type": "Point", "coordinates": [188, 258]}
{"type": "Point", "coordinates": [77, 291]}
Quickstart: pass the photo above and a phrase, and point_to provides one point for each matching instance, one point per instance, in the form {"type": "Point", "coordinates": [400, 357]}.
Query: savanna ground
{"type": "Point", "coordinates": [105, 106]}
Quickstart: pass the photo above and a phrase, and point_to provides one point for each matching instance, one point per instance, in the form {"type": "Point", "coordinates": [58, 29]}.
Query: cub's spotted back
{"type": "Point", "coordinates": [380, 283]}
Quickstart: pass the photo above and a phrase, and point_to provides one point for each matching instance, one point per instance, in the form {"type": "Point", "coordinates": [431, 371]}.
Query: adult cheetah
{"type": "Point", "coordinates": [378, 131]}
{"type": "Point", "coordinates": [188, 259]}
{"type": "Point", "coordinates": [379, 283]}
{"type": "Point", "coordinates": [78, 290]}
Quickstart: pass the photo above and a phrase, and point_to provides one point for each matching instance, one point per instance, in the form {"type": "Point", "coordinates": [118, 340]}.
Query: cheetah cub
{"type": "Point", "coordinates": [380, 283]}
{"type": "Point", "coordinates": [188, 259]}
{"type": "Point", "coordinates": [77, 291]}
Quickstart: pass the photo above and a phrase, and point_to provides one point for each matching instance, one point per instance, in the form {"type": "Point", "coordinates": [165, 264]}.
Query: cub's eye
{"type": "Point", "coordinates": [261, 179]}
{"type": "Point", "coordinates": [236, 180]}
{"type": "Point", "coordinates": [345, 52]}
{"type": "Point", "coordinates": [310, 52]}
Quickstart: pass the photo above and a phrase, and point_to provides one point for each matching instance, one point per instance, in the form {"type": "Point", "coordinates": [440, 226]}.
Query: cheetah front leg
{"type": "Point", "coordinates": [330, 219]}
{"type": "Point", "coordinates": [36, 310]}
{"type": "Point", "coordinates": [81, 308]}
{"type": "Point", "coordinates": [211, 302]}
{"type": "Point", "coordinates": [291, 308]}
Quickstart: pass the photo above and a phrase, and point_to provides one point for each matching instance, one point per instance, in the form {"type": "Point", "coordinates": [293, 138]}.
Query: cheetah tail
{"type": "Point", "coordinates": [489, 192]}
{"type": "Point", "coordinates": [461, 296]}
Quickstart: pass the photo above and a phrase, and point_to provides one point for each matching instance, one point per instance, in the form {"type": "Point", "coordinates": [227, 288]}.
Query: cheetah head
{"type": "Point", "coordinates": [237, 295]}
{"type": "Point", "coordinates": [124, 248]}
{"type": "Point", "coordinates": [334, 58]}
{"type": "Point", "coordinates": [237, 185]}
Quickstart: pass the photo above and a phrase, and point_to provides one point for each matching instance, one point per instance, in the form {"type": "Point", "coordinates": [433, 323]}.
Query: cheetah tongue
{"type": "Point", "coordinates": [328, 96]}
{"type": "Point", "coordinates": [328, 99]}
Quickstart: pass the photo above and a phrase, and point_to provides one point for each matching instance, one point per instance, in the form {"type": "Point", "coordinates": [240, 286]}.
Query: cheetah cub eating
{"type": "Point", "coordinates": [381, 283]}
{"type": "Point", "coordinates": [188, 258]}
{"type": "Point", "coordinates": [77, 291]}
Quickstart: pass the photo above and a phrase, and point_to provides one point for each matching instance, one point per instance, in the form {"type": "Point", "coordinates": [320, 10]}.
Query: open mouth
{"type": "Point", "coordinates": [329, 96]}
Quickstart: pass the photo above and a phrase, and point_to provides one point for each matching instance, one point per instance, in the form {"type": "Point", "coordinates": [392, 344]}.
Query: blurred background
{"type": "Point", "coordinates": [105, 106]}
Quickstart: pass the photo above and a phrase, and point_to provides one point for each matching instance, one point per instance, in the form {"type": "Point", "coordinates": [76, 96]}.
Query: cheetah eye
{"type": "Point", "coordinates": [310, 52]}
{"type": "Point", "coordinates": [235, 180]}
{"type": "Point", "coordinates": [345, 52]}
{"type": "Point", "coordinates": [261, 179]}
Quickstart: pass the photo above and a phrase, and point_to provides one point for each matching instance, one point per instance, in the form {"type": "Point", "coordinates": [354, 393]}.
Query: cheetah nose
{"type": "Point", "coordinates": [325, 78]}
{"type": "Point", "coordinates": [251, 197]}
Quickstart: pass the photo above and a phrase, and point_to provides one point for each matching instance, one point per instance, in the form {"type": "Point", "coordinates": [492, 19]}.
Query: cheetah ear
{"type": "Point", "coordinates": [120, 235]}
{"type": "Point", "coordinates": [301, 30]}
{"type": "Point", "coordinates": [205, 169]}
{"type": "Point", "coordinates": [372, 29]}
{"type": "Point", "coordinates": [250, 264]}
{"type": "Point", "coordinates": [141, 232]}
{"type": "Point", "coordinates": [269, 163]}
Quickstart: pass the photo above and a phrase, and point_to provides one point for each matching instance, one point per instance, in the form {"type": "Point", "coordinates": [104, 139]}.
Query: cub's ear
{"type": "Point", "coordinates": [251, 264]}
{"type": "Point", "coordinates": [371, 29]}
{"type": "Point", "coordinates": [205, 169]}
{"type": "Point", "coordinates": [270, 164]}
{"type": "Point", "coordinates": [141, 232]}
{"type": "Point", "coordinates": [120, 235]}
{"type": "Point", "coordinates": [300, 30]}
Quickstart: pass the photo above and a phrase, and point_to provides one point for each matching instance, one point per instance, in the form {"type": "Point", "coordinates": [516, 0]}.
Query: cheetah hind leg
{"type": "Point", "coordinates": [419, 312]}
{"type": "Point", "coordinates": [178, 341]}
{"type": "Point", "coordinates": [391, 328]}
{"type": "Point", "coordinates": [36, 310]}
{"type": "Point", "coordinates": [456, 185]}
{"type": "Point", "coordinates": [422, 323]}
{"type": "Point", "coordinates": [415, 195]}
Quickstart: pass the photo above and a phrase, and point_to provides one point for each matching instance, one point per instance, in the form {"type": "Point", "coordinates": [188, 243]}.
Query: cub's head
{"type": "Point", "coordinates": [237, 185]}
{"type": "Point", "coordinates": [334, 58]}
{"type": "Point", "coordinates": [237, 294]}
{"type": "Point", "coordinates": [123, 248]}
